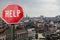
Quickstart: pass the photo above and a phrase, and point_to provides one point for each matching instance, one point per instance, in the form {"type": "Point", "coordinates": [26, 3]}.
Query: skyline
{"type": "Point", "coordinates": [35, 8]}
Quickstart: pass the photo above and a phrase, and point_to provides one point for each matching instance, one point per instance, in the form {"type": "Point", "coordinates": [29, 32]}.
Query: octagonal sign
{"type": "Point", "coordinates": [12, 14]}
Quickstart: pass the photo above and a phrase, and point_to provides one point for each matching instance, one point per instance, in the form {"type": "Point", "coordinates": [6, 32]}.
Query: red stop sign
{"type": "Point", "coordinates": [12, 14]}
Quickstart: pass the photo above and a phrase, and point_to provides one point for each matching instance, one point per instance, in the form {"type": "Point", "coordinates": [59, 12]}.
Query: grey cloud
{"type": "Point", "coordinates": [36, 7]}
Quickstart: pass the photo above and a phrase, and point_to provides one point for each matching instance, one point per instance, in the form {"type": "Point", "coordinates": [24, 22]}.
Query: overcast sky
{"type": "Point", "coordinates": [34, 8]}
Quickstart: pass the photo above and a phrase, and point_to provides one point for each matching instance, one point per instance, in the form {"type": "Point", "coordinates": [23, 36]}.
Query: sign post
{"type": "Point", "coordinates": [12, 32]}
{"type": "Point", "coordinates": [12, 14]}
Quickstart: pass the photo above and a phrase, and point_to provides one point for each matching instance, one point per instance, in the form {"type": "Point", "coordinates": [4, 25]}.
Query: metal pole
{"type": "Point", "coordinates": [12, 32]}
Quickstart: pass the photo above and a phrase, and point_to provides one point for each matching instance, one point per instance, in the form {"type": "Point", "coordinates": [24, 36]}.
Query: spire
{"type": "Point", "coordinates": [27, 16]}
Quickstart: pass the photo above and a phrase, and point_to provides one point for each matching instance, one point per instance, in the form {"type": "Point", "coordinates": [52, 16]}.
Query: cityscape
{"type": "Point", "coordinates": [32, 28]}
{"type": "Point", "coordinates": [29, 19]}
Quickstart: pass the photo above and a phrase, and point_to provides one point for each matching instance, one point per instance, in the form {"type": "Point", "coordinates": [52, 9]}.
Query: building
{"type": "Point", "coordinates": [20, 33]}
{"type": "Point", "coordinates": [2, 36]}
